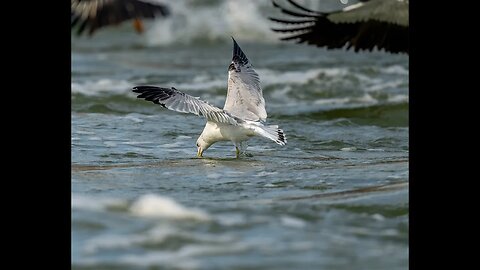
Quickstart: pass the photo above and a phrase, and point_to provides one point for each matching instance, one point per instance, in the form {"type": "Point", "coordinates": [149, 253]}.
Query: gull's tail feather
{"type": "Point", "coordinates": [270, 132]}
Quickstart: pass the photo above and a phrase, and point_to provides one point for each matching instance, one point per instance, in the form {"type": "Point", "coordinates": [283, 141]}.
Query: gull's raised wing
{"type": "Point", "coordinates": [244, 96]}
{"type": "Point", "coordinates": [175, 100]}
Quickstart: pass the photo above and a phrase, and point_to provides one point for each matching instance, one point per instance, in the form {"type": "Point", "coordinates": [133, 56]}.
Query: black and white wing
{"type": "Point", "coordinates": [95, 14]}
{"type": "Point", "coordinates": [244, 95]}
{"type": "Point", "coordinates": [362, 26]}
{"type": "Point", "coordinates": [175, 100]}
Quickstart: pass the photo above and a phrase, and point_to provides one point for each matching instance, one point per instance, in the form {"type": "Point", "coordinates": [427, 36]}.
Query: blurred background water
{"type": "Point", "coordinates": [336, 197]}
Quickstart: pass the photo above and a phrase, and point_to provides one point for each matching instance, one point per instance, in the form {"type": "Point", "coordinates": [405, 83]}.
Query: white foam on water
{"type": "Point", "coordinates": [102, 86]}
{"type": "Point", "coordinates": [265, 173]}
{"type": "Point", "coordinates": [261, 147]}
{"type": "Point", "coordinates": [231, 219]}
{"type": "Point", "coordinates": [207, 244]}
{"type": "Point", "coordinates": [331, 101]}
{"type": "Point", "coordinates": [398, 98]}
{"type": "Point", "coordinates": [302, 246]}
{"type": "Point", "coordinates": [156, 206]}
{"type": "Point", "coordinates": [182, 137]}
{"type": "Point", "coordinates": [136, 143]}
{"type": "Point", "coordinates": [378, 217]}
{"type": "Point", "coordinates": [365, 99]}
{"type": "Point", "coordinates": [206, 249]}
{"type": "Point", "coordinates": [382, 85]}
{"type": "Point", "coordinates": [110, 144]}
{"type": "Point", "coordinates": [133, 118]}
{"type": "Point", "coordinates": [281, 93]}
{"type": "Point", "coordinates": [293, 222]}
{"type": "Point", "coordinates": [389, 232]}
{"type": "Point", "coordinates": [92, 246]}
{"type": "Point", "coordinates": [84, 132]}
{"type": "Point", "coordinates": [156, 235]}
{"type": "Point", "coordinates": [172, 145]}
{"type": "Point", "coordinates": [192, 21]}
{"type": "Point", "coordinates": [367, 81]}
{"type": "Point", "coordinates": [395, 69]}
{"type": "Point", "coordinates": [401, 175]}
{"type": "Point", "coordinates": [201, 84]}
{"type": "Point", "coordinates": [185, 255]}
{"type": "Point", "coordinates": [214, 175]}
{"type": "Point", "coordinates": [271, 77]}
{"type": "Point", "coordinates": [82, 202]}
{"type": "Point", "coordinates": [376, 149]}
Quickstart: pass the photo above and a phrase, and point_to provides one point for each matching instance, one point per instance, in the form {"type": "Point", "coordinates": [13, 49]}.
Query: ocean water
{"type": "Point", "coordinates": [335, 197]}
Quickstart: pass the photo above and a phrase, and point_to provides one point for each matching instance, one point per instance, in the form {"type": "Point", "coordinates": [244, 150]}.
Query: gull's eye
{"type": "Point", "coordinates": [231, 67]}
{"type": "Point", "coordinates": [198, 145]}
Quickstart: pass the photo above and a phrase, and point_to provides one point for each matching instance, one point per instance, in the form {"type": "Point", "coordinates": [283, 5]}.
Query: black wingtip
{"type": "Point", "coordinates": [238, 55]}
{"type": "Point", "coordinates": [137, 89]}
{"type": "Point", "coordinates": [153, 93]}
{"type": "Point", "coordinates": [235, 46]}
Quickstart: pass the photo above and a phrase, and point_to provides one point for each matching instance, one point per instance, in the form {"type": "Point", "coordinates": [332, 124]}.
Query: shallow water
{"type": "Point", "coordinates": [336, 197]}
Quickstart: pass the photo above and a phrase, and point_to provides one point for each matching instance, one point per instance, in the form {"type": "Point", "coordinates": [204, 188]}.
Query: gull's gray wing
{"type": "Point", "coordinates": [244, 97]}
{"type": "Point", "coordinates": [175, 100]}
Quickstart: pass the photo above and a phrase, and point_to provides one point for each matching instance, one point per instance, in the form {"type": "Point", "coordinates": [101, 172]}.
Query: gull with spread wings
{"type": "Point", "coordinates": [242, 117]}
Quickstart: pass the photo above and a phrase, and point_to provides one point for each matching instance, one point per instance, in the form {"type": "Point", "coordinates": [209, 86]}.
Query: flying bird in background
{"type": "Point", "coordinates": [242, 117]}
{"type": "Point", "coordinates": [361, 26]}
{"type": "Point", "coordinates": [95, 14]}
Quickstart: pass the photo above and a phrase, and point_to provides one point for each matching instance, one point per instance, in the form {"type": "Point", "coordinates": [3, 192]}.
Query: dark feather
{"type": "Point", "coordinates": [365, 35]}
{"type": "Point", "coordinates": [154, 94]}
{"type": "Point", "coordinates": [113, 12]}
{"type": "Point", "coordinates": [239, 56]}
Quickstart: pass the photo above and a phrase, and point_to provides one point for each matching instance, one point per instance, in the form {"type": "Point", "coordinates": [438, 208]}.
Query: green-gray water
{"type": "Point", "coordinates": [336, 197]}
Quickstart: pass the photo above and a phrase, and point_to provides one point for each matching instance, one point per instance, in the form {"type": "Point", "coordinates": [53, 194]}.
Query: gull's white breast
{"type": "Point", "coordinates": [214, 132]}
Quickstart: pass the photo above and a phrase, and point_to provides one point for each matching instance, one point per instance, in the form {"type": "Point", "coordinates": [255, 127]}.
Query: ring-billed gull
{"type": "Point", "coordinates": [242, 117]}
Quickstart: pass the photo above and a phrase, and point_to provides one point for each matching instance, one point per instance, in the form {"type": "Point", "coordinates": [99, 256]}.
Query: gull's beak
{"type": "Point", "coordinates": [199, 152]}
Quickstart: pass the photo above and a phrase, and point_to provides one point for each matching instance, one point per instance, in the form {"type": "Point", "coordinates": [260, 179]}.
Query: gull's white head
{"type": "Point", "coordinates": [202, 145]}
